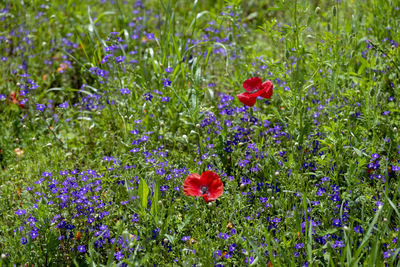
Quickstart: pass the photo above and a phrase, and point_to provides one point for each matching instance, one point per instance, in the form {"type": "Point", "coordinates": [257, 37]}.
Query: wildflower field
{"type": "Point", "coordinates": [199, 133]}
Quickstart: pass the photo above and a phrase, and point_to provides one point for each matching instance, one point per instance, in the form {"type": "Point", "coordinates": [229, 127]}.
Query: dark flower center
{"type": "Point", "coordinates": [204, 189]}
{"type": "Point", "coordinates": [255, 90]}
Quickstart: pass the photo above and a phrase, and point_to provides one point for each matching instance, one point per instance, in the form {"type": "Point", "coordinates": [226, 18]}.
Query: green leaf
{"type": "Point", "coordinates": [143, 193]}
{"type": "Point", "coordinates": [155, 199]}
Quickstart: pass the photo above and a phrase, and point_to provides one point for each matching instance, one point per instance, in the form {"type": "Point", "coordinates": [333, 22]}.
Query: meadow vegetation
{"type": "Point", "coordinates": [107, 106]}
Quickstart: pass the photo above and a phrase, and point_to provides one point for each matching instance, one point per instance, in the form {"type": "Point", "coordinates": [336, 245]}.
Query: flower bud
{"type": "Point", "coordinates": [242, 187]}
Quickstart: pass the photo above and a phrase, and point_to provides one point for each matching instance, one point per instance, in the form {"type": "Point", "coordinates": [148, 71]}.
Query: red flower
{"type": "Point", "coordinates": [208, 185]}
{"type": "Point", "coordinates": [14, 99]}
{"type": "Point", "coordinates": [255, 88]}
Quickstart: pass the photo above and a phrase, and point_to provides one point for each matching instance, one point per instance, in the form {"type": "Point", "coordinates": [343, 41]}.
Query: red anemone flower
{"type": "Point", "coordinates": [255, 88]}
{"type": "Point", "coordinates": [208, 185]}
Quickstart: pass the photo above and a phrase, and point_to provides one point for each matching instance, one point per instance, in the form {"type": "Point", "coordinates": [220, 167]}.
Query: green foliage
{"type": "Point", "coordinates": [107, 106]}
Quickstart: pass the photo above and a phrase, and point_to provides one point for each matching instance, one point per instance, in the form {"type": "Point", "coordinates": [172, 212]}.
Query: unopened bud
{"type": "Point", "coordinates": [395, 129]}
{"type": "Point", "coordinates": [277, 173]}
{"type": "Point", "coordinates": [317, 10]}
{"type": "Point", "coordinates": [242, 187]}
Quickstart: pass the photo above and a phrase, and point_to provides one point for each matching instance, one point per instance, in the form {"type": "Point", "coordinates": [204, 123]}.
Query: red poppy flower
{"type": "Point", "coordinates": [14, 99]}
{"type": "Point", "coordinates": [208, 185]}
{"type": "Point", "coordinates": [255, 88]}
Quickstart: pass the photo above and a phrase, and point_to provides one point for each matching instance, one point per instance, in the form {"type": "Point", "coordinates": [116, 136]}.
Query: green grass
{"type": "Point", "coordinates": [148, 96]}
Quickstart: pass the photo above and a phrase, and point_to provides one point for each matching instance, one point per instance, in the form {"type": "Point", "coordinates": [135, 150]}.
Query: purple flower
{"type": "Point", "coordinates": [81, 248]}
{"type": "Point", "coordinates": [20, 212]}
{"type": "Point", "coordinates": [338, 244]}
{"type": "Point", "coordinates": [64, 105]}
{"type": "Point", "coordinates": [125, 91]}
{"type": "Point", "coordinates": [40, 107]}
{"type": "Point", "coordinates": [105, 58]}
{"type": "Point", "coordinates": [119, 255]}
{"type": "Point", "coordinates": [168, 70]}
{"type": "Point", "coordinates": [166, 82]}
{"type": "Point", "coordinates": [150, 36]}
{"type": "Point", "coordinates": [148, 96]}
{"type": "Point", "coordinates": [249, 260]}
{"type": "Point", "coordinates": [47, 174]}
{"type": "Point", "coordinates": [336, 222]}
{"type": "Point", "coordinates": [185, 238]}
{"type": "Point", "coordinates": [119, 59]}
{"type": "Point", "coordinates": [23, 240]}
{"type": "Point", "coordinates": [395, 168]}
{"type": "Point", "coordinates": [321, 191]}
{"type": "Point", "coordinates": [358, 229]}
{"type": "Point", "coordinates": [375, 156]}
{"type": "Point", "coordinates": [299, 246]}
{"type": "Point", "coordinates": [34, 233]}
{"type": "Point", "coordinates": [165, 99]}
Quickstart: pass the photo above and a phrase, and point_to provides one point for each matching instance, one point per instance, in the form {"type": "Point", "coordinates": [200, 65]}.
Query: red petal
{"type": "Point", "coordinates": [266, 89]}
{"type": "Point", "coordinates": [252, 84]}
{"type": "Point", "coordinates": [215, 190]}
{"type": "Point", "coordinates": [208, 177]}
{"type": "Point", "coordinates": [192, 185]}
{"type": "Point", "coordinates": [247, 99]}
{"type": "Point", "coordinates": [214, 184]}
